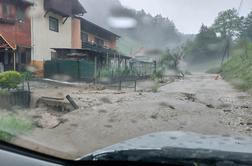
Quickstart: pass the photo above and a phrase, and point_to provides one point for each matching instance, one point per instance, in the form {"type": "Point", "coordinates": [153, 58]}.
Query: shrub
{"type": "Point", "coordinates": [10, 79]}
{"type": "Point", "coordinates": [155, 87]}
{"type": "Point", "coordinates": [158, 75]}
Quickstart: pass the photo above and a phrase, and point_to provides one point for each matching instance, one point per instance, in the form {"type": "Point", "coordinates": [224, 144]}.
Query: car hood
{"type": "Point", "coordinates": [183, 140]}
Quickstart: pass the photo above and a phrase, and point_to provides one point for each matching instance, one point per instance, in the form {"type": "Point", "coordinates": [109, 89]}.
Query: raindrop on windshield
{"type": "Point", "coordinates": [122, 22]}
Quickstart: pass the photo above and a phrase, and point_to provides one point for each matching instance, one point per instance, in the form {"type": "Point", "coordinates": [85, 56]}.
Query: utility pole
{"type": "Point", "coordinates": [227, 49]}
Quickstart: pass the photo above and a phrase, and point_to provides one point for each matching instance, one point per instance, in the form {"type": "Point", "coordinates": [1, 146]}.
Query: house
{"type": "Point", "coordinates": [15, 34]}
{"type": "Point", "coordinates": [54, 25]}
{"type": "Point", "coordinates": [97, 45]}
{"type": "Point", "coordinates": [95, 51]}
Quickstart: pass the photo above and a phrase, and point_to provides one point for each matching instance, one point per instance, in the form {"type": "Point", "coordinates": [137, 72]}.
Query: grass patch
{"type": "Point", "coordinates": [11, 126]}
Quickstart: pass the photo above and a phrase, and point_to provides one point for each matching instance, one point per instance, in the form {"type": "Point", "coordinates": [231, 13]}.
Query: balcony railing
{"type": "Point", "coordinates": [98, 49]}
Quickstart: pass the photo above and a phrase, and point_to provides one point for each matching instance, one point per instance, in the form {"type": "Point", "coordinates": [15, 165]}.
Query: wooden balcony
{"type": "Point", "coordinates": [98, 49]}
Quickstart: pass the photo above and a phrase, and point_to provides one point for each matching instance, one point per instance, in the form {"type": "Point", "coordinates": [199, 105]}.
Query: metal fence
{"type": "Point", "coordinates": [20, 96]}
{"type": "Point", "coordinates": [83, 70]}
{"type": "Point", "coordinates": [76, 69]}
{"type": "Point", "coordinates": [143, 68]}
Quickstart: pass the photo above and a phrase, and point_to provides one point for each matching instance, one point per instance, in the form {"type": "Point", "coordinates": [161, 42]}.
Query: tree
{"type": "Point", "coordinates": [247, 27]}
{"type": "Point", "coordinates": [205, 46]}
{"type": "Point", "coordinates": [172, 59]}
{"type": "Point", "coordinates": [228, 23]}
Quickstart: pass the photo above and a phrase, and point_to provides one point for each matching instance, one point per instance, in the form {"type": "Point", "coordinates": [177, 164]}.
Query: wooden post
{"type": "Point", "coordinates": [95, 69]}
{"type": "Point", "coordinates": [125, 64]}
{"type": "Point", "coordinates": [120, 84]}
{"type": "Point", "coordinates": [107, 60]}
{"type": "Point", "coordinates": [79, 77]}
{"type": "Point", "coordinates": [71, 101]}
{"type": "Point", "coordinates": [135, 85]}
{"type": "Point", "coordinates": [118, 65]}
{"type": "Point", "coordinates": [155, 66]}
{"type": "Point", "coordinates": [14, 60]}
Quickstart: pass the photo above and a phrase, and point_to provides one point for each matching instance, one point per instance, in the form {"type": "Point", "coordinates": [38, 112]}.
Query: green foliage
{"type": "Point", "coordinates": [206, 46]}
{"type": "Point", "coordinates": [4, 92]}
{"type": "Point", "coordinates": [171, 60]}
{"type": "Point", "coordinates": [247, 27]}
{"type": "Point", "coordinates": [238, 70]}
{"type": "Point", "coordinates": [228, 23]}
{"type": "Point", "coordinates": [10, 79]}
{"type": "Point", "coordinates": [158, 75]}
{"type": "Point", "coordinates": [11, 126]}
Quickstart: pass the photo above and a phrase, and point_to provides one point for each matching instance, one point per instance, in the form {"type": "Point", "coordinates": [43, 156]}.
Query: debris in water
{"type": "Point", "coordinates": [210, 106]}
{"type": "Point", "coordinates": [106, 100]}
{"type": "Point", "coordinates": [227, 111]}
{"type": "Point", "coordinates": [49, 121]}
{"type": "Point", "coordinates": [71, 101]}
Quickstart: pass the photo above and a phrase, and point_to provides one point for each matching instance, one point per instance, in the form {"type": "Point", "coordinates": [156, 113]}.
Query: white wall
{"type": "Point", "coordinates": [42, 38]}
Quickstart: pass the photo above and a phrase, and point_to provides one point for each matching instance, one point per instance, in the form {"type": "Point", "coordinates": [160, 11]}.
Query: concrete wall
{"type": "Point", "coordinates": [44, 39]}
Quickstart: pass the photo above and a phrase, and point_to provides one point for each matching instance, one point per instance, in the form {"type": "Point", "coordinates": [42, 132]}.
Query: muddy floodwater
{"type": "Point", "coordinates": [199, 103]}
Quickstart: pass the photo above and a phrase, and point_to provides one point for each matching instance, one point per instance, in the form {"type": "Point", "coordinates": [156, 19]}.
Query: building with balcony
{"type": "Point", "coordinates": [54, 25]}
{"type": "Point", "coordinates": [15, 34]}
{"type": "Point", "coordinates": [96, 45]}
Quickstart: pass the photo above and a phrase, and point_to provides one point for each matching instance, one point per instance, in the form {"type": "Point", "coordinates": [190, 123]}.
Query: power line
{"type": "Point", "coordinates": [240, 6]}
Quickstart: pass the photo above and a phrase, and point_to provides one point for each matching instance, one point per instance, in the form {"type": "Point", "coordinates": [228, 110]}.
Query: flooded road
{"type": "Point", "coordinates": [199, 103]}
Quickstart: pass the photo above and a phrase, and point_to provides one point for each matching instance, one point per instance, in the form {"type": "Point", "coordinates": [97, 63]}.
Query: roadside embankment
{"type": "Point", "coordinates": [238, 69]}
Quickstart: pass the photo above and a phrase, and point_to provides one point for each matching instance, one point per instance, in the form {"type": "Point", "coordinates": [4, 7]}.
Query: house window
{"type": "Point", "coordinates": [99, 42]}
{"type": "Point", "coordinates": [6, 10]}
{"type": "Point", "coordinates": [53, 24]}
{"type": "Point", "coordinates": [20, 14]}
{"type": "Point", "coordinates": [84, 37]}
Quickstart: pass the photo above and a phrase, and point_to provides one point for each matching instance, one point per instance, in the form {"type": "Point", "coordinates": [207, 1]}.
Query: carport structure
{"type": "Point", "coordinates": [7, 54]}
{"type": "Point", "coordinates": [101, 57]}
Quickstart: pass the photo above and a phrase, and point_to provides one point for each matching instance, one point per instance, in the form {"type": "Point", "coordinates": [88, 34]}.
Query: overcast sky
{"type": "Point", "coordinates": [188, 15]}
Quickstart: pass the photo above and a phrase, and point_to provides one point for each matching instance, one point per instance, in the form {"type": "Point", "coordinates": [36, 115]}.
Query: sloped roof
{"type": "Point", "coordinates": [97, 30]}
{"type": "Point", "coordinates": [66, 8]}
{"type": "Point", "coordinates": [4, 43]}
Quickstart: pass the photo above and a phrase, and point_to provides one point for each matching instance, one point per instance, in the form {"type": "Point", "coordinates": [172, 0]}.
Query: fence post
{"type": "Point", "coordinates": [120, 84]}
{"type": "Point", "coordinates": [78, 62]}
{"type": "Point", "coordinates": [95, 69]}
{"type": "Point", "coordinates": [155, 66]}
{"type": "Point", "coordinates": [135, 85]}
